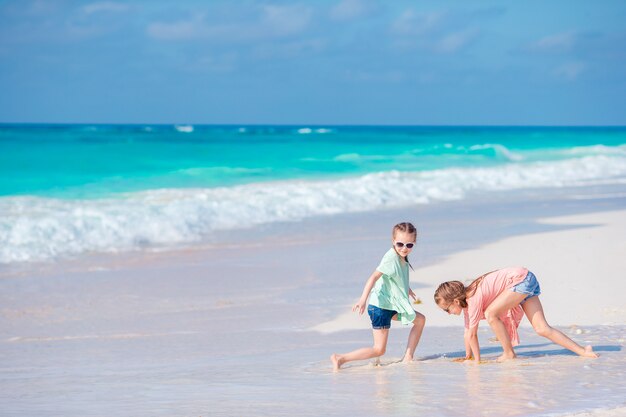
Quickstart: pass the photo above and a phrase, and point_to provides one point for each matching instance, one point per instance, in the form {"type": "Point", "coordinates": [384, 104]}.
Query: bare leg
{"type": "Point", "coordinates": [504, 302]}
{"type": "Point", "coordinates": [380, 345]}
{"type": "Point", "coordinates": [534, 311]}
{"type": "Point", "coordinates": [414, 336]}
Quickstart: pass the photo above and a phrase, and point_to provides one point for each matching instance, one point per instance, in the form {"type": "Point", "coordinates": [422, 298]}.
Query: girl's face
{"type": "Point", "coordinates": [451, 308]}
{"type": "Point", "coordinates": [400, 241]}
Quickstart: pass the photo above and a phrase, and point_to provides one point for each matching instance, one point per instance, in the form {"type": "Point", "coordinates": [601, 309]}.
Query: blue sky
{"type": "Point", "coordinates": [314, 62]}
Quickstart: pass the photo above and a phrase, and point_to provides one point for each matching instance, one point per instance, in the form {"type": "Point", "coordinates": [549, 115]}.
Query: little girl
{"type": "Point", "coordinates": [388, 290]}
{"type": "Point", "coordinates": [501, 297]}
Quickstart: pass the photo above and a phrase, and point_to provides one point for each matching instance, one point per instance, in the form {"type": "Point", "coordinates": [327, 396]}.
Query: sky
{"type": "Point", "coordinates": [334, 62]}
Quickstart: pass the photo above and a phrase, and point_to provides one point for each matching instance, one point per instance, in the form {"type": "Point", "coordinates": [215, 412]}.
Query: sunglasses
{"type": "Point", "coordinates": [447, 309]}
{"type": "Point", "coordinates": [401, 245]}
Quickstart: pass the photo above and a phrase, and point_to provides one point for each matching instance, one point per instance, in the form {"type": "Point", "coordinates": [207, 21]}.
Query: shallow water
{"type": "Point", "coordinates": [287, 374]}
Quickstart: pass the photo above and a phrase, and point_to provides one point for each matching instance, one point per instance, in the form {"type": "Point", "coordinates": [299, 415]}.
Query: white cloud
{"type": "Point", "coordinates": [180, 30]}
{"type": "Point", "coordinates": [105, 6]}
{"type": "Point", "coordinates": [348, 10]}
{"type": "Point", "coordinates": [571, 70]}
{"type": "Point", "coordinates": [438, 32]}
{"type": "Point", "coordinates": [286, 20]}
{"type": "Point", "coordinates": [411, 23]}
{"type": "Point", "coordinates": [270, 22]}
{"type": "Point", "coordinates": [561, 41]}
{"type": "Point", "coordinates": [455, 41]}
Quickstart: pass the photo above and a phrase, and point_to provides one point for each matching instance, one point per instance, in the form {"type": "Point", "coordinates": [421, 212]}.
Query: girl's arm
{"type": "Point", "coordinates": [360, 305]}
{"type": "Point", "coordinates": [468, 348]}
{"type": "Point", "coordinates": [471, 340]}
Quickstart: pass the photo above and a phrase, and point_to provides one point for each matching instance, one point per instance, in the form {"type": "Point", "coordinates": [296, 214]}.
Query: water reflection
{"type": "Point", "coordinates": [541, 381]}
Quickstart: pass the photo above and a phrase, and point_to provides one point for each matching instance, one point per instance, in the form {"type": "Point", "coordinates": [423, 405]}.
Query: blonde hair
{"type": "Point", "coordinates": [405, 227]}
{"type": "Point", "coordinates": [456, 290]}
{"type": "Point", "coordinates": [450, 291]}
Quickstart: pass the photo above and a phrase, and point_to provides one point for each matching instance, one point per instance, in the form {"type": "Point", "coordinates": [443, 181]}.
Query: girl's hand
{"type": "Point", "coordinates": [360, 307]}
{"type": "Point", "coordinates": [416, 300]}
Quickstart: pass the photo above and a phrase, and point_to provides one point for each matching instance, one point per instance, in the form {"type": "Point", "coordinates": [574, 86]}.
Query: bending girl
{"type": "Point", "coordinates": [501, 297]}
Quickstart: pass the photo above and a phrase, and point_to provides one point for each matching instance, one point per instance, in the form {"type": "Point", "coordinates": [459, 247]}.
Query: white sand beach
{"type": "Point", "coordinates": [246, 327]}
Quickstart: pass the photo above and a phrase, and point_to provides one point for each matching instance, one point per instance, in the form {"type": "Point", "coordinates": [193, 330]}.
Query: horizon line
{"type": "Point", "coordinates": [302, 125]}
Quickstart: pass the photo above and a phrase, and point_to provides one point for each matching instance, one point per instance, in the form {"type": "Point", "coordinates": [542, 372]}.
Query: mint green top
{"type": "Point", "coordinates": [391, 291]}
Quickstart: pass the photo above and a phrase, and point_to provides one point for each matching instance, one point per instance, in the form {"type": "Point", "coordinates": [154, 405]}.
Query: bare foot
{"type": "Point", "coordinates": [589, 353]}
{"type": "Point", "coordinates": [407, 359]}
{"type": "Point", "coordinates": [337, 361]}
{"type": "Point", "coordinates": [506, 357]}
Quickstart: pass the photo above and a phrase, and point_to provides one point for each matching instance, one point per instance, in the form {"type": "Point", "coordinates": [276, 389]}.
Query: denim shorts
{"type": "Point", "coordinates": [381, 318]}
{"type": "Point", "coordinates": [529, 286]}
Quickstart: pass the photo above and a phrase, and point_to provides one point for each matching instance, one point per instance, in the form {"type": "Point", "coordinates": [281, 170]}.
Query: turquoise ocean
{"type": "Point", "coordinates": [67, 190]}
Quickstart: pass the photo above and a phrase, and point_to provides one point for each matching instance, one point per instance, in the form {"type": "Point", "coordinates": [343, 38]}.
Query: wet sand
{"type": "Point", "coordinates": [245, 324]}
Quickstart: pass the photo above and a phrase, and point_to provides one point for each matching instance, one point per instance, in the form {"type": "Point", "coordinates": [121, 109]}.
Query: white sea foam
{"type": "Point", "coordinates": [597, 150]}
{"type": "Point", "coordinates": [308, 130]}
{"type": "Point", "coordinates": [184, 128]}
{"type": "Point", "coordinates": [35, 229]}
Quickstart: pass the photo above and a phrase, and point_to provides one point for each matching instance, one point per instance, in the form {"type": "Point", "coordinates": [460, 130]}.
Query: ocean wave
{"type": "Point", "coordinates": [221, 170]}
{"type": "Point", "coordinates": [355, 157]}
{"type": "Point", "coordinates": [493, 150]}
{"type": "Point", "coordinates": [499, 151]}
{"type": "Point", "coordinates": [37, 229]}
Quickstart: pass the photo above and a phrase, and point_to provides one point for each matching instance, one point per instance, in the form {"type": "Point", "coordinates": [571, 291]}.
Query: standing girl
{"type": "Point", "coordinates": [501, 297]}
{"type": "Point", "coordinates": [388, 291]}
